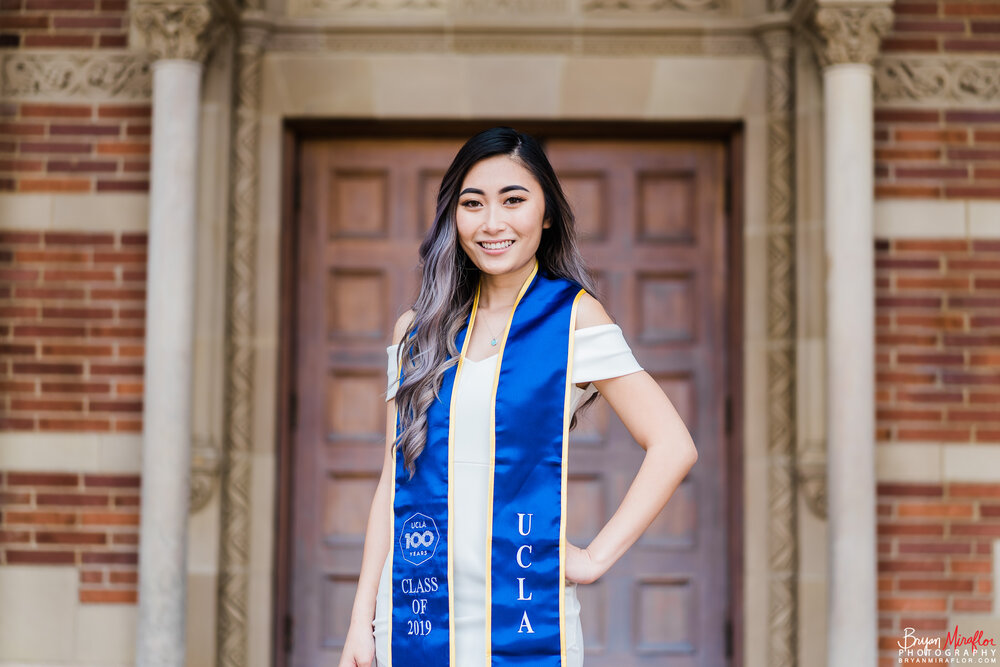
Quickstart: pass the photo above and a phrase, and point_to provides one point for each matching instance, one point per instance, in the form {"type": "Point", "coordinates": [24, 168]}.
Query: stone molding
{"type": "Point", "coordinates": [850, 33]}
{"type": "Point", "coordinates": [938, 81]}
{"type": "Point", "coordinates": [782, 525]}
{"type": "Point", "coordinates": [184, 31]}
{"type": "Point", "coordinates": [57, 76]}
{"type": "Point", "coordinates": [233, 604]}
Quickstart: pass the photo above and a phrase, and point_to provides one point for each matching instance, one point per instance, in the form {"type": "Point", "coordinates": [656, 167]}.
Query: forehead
{"type": "Point", "coordinates": [496, 172]}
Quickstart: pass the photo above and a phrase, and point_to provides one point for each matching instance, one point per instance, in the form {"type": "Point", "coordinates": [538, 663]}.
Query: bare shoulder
{"type": "Point", "coordinates": [401, 324]}
{"type": "Point", "coordinates": [590, 312]}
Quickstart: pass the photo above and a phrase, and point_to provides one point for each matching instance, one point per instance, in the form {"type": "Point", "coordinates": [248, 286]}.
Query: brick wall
{"type": "Point", "coordinates": [935, 546]}
{"type": "Point", "coordinates": [940, 152]}
{"type": "Point", "coordinates": [72, 328]}
{"type": "Point", "coordinates": [938, 340]}
{"type": "Point", "coordinates": [90, 521]}
{"type": "Point", "coordinates": [74, 147]}
{"type": "Point", "coordinates": [63, 23]}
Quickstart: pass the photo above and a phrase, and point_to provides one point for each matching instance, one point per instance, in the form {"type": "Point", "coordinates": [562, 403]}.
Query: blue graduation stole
{"type": "Point", "coordinates": [529, 436]}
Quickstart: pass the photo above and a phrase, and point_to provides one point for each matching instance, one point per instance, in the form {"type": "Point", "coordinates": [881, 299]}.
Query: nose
{"type": "Point", "coordinates": [496, 219]}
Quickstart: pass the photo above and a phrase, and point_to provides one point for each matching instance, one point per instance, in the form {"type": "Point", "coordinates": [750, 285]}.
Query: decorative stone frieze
{"type": "Point", "coordinates": [54, 76]}
{"type": "Point", "coordinates": [938, 81]}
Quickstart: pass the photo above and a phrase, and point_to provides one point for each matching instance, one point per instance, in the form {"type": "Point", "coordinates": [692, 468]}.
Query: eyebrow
{"type": "Point", "coordinates": [506, 188]}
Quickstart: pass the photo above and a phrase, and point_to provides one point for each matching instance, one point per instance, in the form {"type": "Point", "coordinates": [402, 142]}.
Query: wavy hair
{"type": "Point", "coordinates": [449, 279]}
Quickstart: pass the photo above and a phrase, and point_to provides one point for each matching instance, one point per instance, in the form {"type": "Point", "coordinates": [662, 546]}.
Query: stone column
{"type": "Point", "coordinates": [177, 36]}
{"type": "Point", "coordinates": [850, 39]}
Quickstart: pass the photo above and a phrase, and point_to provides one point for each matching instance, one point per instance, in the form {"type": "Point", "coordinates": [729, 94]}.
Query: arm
{"type": "Point", "coordinates": [653, 421]}
{"type": "Point", "coordinates": [359, 645]}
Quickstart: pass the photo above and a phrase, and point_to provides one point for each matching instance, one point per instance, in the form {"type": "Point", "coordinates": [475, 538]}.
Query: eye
{"type": "Point", "coordinates": [470, 203]}
{"type": "Point", "coordinates": [516, 200]}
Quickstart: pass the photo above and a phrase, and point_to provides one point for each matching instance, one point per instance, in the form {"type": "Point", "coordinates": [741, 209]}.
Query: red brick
{"type": "Point", "coordinates": [40, 518]}
{"type": "Point", "coordinates": [47, 368]}
{"type": "Point", "coordinates": [951, 135]}
{"type": "Point", "coordinates": [78, 166]}
{"type": "Point", "coordinates": [113, 41]}
{"type": "Point", "coordinates": [966, 44]}
{"type": "Point", "coordinates": [45, 255]}
{"type": "Point", "coordinates": [15, 536]}
{"type": "Point", "coordinates": [70, 537]}
{"type": "Point", "coordinates": [103, 595]}
{"type": "Point", "coordinates": [56, 110]}
{"type": "Point", "coordinates": [53, 185]}
{"type": "Point", "coordinates": [911, 191]}
{"type": "Point", "coordinates": [912, 604]}
{"type": "Point", "coordinates": [45, 330]}
{"type": "Point", "coordinates": [77, 275]}
{"type": "Point", "coordinates": [935, 585]}
{"type": "Point", "coordinates": [39, 557]}
{"type": "Point", "coordinates": [43, 405]}
{"type": "Point", "coordinates": [922, 44]}
{"type": "Point", "coordinates": [909, 489]}
{"type": "Point", "coordinates": [79, 424]}
{"type": "Point", "coordinates": [76, 387]}
{"type": "Point", "coordinates": [124, 111]}
{"type": "Point", "coordinates": [971, 9]}
{"type": "Point", "coordinates": [884, 115]}
{"type": "Point", "coordinates": [87, 22]}
{"type": "Point", "coordinates": [42, 479]}
{"type": "Point", "coordinates": [985, 27]}
{"type": "Point", "coordinates": [974, 566]}
{"type": "Point", "coordinates": [31, 292]}
{"type": "Point", "coordinates": [971, 115]}
{"type": "Point", "coordinates": [73, 499]}
{"type": "Point", "coordinates": [91, 577]}
{"type": "Point", "coordinates": [50, 349]}
{"type": "Point", "coordinates": [110, 557]}
{"type": "Point", "coordinates": [910, 7]}
{"type": "Point", "coordinates": [104, 185]}
{"type": "Point", "coordinates": [22, 129]}
{"type": "Point", "coordinates": [910, 566]}
{"type": "Point", "coordinates": [126, 577]}
{"type": "Point", "coordinates": [112, 481]}
{"type": "Point", "coordinates": [42, 41]}
{"type": "Point", "coordinates": [973, 490]}
{"type": "Point", "coordinates": [79, 238]}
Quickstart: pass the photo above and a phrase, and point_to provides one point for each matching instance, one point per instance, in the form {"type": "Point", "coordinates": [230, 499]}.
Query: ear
{"type": "Point", "coordinates": [546, 223]}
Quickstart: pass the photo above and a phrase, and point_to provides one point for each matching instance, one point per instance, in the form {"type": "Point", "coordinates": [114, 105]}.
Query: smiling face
{"type": "Point", "coordinates": [500, 216]}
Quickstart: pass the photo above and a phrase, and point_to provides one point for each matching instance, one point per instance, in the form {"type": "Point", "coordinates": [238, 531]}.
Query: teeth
{"type": "Point", "coordinates": [495, 246]}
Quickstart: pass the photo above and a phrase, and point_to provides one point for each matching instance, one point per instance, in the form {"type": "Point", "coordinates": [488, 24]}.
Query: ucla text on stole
{"type": "Point", "coordinates": [417, 586]}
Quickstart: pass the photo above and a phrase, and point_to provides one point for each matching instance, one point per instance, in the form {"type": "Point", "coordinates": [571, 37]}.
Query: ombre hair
{"type": "Point", "coordinates": [449, 279]}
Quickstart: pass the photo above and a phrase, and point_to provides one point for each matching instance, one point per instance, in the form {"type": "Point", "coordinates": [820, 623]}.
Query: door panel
{"type": "Point", "coordinates": [652, 228]}
{"type": "Point", "coordinates": [652, 231]}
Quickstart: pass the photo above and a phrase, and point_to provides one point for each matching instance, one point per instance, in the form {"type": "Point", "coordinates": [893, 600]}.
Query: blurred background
{"type": "Point", "coordinates": [209, 221]}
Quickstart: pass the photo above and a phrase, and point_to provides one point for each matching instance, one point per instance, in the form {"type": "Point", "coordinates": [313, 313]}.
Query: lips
{"type": "Point", "coordinates": [496, 245]}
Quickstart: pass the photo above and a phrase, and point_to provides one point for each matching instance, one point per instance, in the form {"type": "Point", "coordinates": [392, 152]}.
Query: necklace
{"type": "Point", "coordinates": [493, 336]}
{"type": "Point", "coordinates": [493, 340]}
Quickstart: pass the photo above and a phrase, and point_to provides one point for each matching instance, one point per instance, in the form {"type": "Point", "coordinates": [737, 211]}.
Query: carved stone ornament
{"type": "Point", "coordinates": [938, 81]}
{"type": "Point", "coordinates": [206, 459]}
{"type": "Point", "coordinates": [372, 5]}
{"type": "Point", "coordinates": [626, 6]}
{"type": "Point", "coordinates": [184, 31]}
{"type": "Point", "coordinates": [851, 33]}
{"type": "Point", "coordinates": [56, 76]}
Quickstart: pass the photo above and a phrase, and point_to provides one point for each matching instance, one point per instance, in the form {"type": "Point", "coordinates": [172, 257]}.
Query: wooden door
{"type": "Point", "coordinates": [652, 228]}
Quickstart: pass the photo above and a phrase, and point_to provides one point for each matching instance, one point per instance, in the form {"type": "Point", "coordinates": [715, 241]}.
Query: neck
{"type": "Point", "coordinates": [501, 291]}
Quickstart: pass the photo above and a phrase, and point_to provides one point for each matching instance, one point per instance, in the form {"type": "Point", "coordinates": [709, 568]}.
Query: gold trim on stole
{"type": "Point", "coordinates": [567, 408]}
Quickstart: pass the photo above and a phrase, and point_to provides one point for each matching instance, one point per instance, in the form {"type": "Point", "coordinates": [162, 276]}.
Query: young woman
{"type": "Point", "coordinates": [466, 561]}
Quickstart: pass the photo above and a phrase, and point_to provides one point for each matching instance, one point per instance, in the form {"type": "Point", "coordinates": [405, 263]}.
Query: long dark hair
{"type": "Point", "coordinates": [449, 278]}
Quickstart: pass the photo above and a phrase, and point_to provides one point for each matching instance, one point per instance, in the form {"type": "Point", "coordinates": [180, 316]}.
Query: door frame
{"type": "Point", "coordinates": [295, 132]}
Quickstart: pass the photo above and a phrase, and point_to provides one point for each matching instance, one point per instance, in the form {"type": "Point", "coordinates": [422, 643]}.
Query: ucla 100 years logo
{"type": "Point", "coordinates": [419, 538]}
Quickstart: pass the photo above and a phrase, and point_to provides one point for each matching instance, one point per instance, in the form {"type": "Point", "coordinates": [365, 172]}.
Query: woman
{"type": "Point", "coordinates": [503, 344]}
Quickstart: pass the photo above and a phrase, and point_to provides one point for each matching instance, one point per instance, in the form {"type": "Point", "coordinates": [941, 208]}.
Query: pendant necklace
{"type": "Point", "coordinates": [493, 337]}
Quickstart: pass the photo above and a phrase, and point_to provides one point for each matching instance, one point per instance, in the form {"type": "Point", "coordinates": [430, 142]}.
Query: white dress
{"type": "Point", "coordinates": [599, 352]}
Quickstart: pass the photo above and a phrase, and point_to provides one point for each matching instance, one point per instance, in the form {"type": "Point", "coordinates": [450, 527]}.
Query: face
{"type": "Point", "coordinates": [500, 216]}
